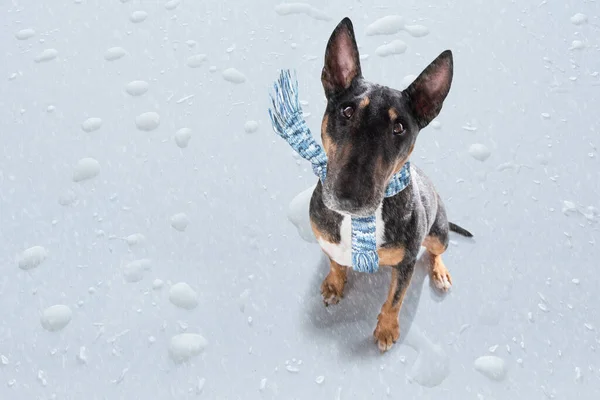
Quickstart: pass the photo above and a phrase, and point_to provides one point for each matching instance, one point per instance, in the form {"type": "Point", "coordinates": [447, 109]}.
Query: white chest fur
{"type": "Point", "coordinates": [342, 252]}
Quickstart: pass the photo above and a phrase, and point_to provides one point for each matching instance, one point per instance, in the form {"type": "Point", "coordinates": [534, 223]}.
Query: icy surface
{"type": "Point", "coordinates": [526, 85]}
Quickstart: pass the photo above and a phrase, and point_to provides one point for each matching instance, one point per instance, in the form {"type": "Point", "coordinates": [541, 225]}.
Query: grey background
{"type": "Point", "coordinates": [513, 62]}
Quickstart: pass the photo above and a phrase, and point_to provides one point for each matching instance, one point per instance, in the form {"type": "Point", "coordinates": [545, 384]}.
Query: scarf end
{"type": "Point", "coordinates": [367, 261]}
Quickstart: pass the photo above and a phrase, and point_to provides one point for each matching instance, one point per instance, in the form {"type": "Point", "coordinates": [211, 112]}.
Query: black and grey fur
{"type": "Point", "coordinates": [369, 132]}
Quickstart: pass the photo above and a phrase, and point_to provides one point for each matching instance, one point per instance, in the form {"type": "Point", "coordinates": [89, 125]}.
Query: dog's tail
{"type": "Point", "coordinates": [460, 230]}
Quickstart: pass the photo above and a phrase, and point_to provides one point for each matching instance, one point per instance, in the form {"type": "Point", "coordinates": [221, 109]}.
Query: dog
{"type": "Point", "coordinates": [368, 132]}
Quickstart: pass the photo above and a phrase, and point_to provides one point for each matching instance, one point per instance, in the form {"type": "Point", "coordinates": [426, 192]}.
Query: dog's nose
{"type": "Point", "coordinates": [346, 198]}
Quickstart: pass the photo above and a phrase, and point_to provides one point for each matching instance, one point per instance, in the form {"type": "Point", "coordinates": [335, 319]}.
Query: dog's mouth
{"type": "Point", "coordinates": [351, 206]}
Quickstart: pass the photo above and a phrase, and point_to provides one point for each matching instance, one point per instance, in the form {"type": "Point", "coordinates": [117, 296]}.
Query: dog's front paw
{"type": "Point", "coordinates": [440, 277]}
{"type": "Point", "coordinates": [387, 332]}
{"type": "Point", "coordinates": [332, 288]}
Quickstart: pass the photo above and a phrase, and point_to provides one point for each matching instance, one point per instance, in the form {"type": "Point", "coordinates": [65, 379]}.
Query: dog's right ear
{"type": "Point", "coordinates": [342, 63]}
{"type": "Point", "coordinates": [428, 92]}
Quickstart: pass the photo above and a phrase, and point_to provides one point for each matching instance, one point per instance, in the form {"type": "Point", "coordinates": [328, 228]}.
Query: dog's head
{"type": "Point", "coordinates": [369, 130]}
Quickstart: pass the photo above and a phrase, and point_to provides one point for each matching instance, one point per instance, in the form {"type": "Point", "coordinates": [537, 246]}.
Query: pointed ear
{"type": "Point", "coordinates": [428, 91]}
{"type": "Point", "coordinates": [342, 63]}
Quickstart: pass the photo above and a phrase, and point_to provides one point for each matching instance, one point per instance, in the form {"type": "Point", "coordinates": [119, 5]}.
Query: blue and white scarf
{"type": "Point", "coordinates": [287, 120]}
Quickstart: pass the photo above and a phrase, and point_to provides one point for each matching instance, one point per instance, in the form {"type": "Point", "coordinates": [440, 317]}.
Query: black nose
{"type": "Point", "coordinates": [349, 196]}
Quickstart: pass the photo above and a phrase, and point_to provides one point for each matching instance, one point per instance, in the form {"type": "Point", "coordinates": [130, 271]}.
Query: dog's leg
{"type": "Point", "coordinates": [332, 287]}
{"type": "Point", "coordinates": [436, 243]}
{"type": "Point", "coordinates": [387, 331]}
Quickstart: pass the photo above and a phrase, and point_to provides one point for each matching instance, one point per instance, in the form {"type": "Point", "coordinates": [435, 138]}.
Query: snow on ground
{"type": "Point", "coordinates": [154, 241]}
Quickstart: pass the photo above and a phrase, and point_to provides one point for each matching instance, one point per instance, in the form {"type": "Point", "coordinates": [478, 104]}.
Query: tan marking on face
{"type": "Point", "coordinates": [364, 102]}
{"type": "Point", "coordinates": [398, 166]}
{"type": "Point", "coordinates": [393, 114]}
{"type": "Point", "coordinates": [328, 145]}
{"type": "Point", "coordinates": [390, 256]}
{"type": "Point", "coordinates": [433, 245]}
{"type": "Point", "coordinates": [332, 288]}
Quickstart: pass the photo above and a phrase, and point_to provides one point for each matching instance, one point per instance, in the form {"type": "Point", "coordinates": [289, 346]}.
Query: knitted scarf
{"type": "Point", "coordinates": [288, 122]}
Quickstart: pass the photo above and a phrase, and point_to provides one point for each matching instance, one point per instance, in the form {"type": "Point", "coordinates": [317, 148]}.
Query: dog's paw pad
{"type": "Point", "coordinates": [332, 290]}
{"type": "Point", "coordinates": [386, 334]}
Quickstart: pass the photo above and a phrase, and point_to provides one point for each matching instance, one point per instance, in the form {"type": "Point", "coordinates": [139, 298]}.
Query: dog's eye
{"type": "Point", "coordinates": [398, 128]}
{"type": "Point", "coordinates": [348, 111]}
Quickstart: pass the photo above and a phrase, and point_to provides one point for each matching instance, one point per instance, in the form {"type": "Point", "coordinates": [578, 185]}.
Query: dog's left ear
{"type": "Point", "coordinates": [428, 92]}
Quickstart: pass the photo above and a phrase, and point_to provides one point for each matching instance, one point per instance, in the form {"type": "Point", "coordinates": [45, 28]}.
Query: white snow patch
{"type": "Point", "coordinates": [233, 75]}
{"type": "Point", "coordinates": [387, 25]}
{"type": "Point", "coordinates": [185, 346]}
{"type": "Point", "coordinates": [56, 317]}
{"type": "Point", "coordinates": [436, 124]}
{"type": "Point", "coordinates": [492, 367]}
{"type": "Point", "coordinates": [134, 270]}
{"type": "Point", "coordinates": [577, 45]}
{"type": "Point", "coordinates": [579, 19]}
{"type": "Point", "coordinates": [417, 30]}
{"type": "Point", "coordinates": [301, 8]}
{"type": "Point", "coordinates": [25, 34]}
{"type": "Point", "coordinates": [251, 126]}
{"type": "Point", "coordinates": [138, 16]}
{"type": "Point", "coordinates": [91, 124]}
{"type": "Point", "coordinates": [320, 379]}
{"type": "Point", "coordinates": [172, 4]}
{"type": "Point", "coordinates": [135, 239]}
{"type": "Point", "coordinates": [157, 284]}
{"type": "Point", "coordinates": [86, 168]}
{"type": "Point", "coordinates": [114, 53]}
{"type": "Point", "coordinates": [182, 137]}
{"type": "Point", "coordinates": [432, 365]}
{"type": "Point", "coordinates": [479, 151]}
{"type": "Point", "coordinates": [180, 221]}
{"type": "Point", "coordinates": [46, 55]}
{"type": "Point", "coordinates": [396, 46]}
{"type": "Point", "coordinates": [182, 295]}
{"type": "Point", "coordinates": [32, 257]}
{"type": "Point", "coordinates": [147, 121]}
{"type": "Point", "coordinates": [137, 88]}
{"type": "Point", "coordinates": [298, 214]}
{"type": "Point", "coordinates": [196, 61]}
